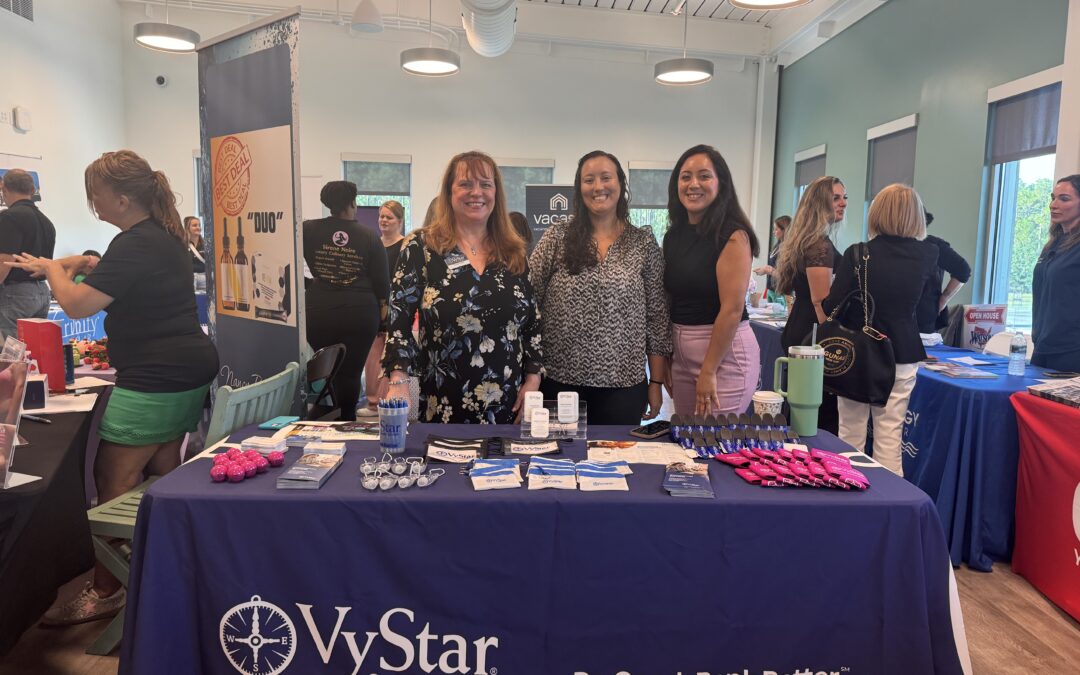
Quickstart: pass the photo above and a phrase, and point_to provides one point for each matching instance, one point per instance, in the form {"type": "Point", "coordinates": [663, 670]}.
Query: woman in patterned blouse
{"type": "Point", "coordinates": [600, 284]}
{"type": "Point", "coordinates": [479, 349]}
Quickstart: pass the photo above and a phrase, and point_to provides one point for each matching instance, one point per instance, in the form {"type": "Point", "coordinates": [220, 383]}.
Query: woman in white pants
{"type": "Point", "coordinates": [899, 264]}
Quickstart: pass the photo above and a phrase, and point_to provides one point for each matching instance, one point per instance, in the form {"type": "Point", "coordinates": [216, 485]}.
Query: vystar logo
{"type": "Point", "coordinates": [259, 637]}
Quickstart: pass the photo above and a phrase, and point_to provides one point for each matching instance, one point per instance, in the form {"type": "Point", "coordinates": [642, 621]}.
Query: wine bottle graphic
{"type": "Point", "coordinates": [243, 271]}
{"type": "Point", "coordinates": [228, 271]}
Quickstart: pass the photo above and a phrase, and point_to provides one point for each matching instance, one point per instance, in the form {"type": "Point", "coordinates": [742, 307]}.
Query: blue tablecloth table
{"type": "Point", "coordinates": [768, 338]}
{"type": "Point", "coordinates": [520, 582]}
{"type": "Point", "coordinates": [961, 446]}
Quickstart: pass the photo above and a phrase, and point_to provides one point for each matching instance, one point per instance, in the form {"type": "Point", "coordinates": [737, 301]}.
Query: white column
{"type": "Point", "coordinates": [761, 191]}
{"type": "Point", "coordinates": [1068, 138]}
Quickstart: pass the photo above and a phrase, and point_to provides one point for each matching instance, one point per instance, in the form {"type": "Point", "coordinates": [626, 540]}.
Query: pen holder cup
{"type": "Point", "coordinates": [393, 424]}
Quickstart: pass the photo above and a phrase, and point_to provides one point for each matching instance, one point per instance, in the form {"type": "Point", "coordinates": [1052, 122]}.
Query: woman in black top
{"type": "Point", "coordinates": [900, 262]}
{"type": "Point", "coordinates": [804, 268]}
{"type": "Point", "coordinates": [931, 312]}
{"type": "Point", "coordinates": [392, 234]}
{"type": "Point", "coordinates": [708, 251]}
{"type": "Point", "coordinates": [1055, 327]}
{"type": "Point", "coordinates": [164, 362]}
{"type": "Point", "coordinates": [346, 299]}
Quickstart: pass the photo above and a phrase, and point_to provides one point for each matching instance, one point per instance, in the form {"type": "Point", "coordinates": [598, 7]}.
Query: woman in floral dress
{"type": "Point", "coordinates": [479, 338]}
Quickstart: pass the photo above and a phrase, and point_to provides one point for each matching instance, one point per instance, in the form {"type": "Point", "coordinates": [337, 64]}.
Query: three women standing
{"type": "Point", "coordinates": [708, 252]}
{"type": "Point", "coordinates": [599, 283]}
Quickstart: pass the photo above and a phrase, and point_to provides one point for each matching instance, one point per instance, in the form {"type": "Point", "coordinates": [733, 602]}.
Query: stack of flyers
{"type": "Point", "coordinates": [594, 476]}
{"type": "Point", "coordinates": [688, 479]}
{"type": "Point", "coordinates": [495, 474]}
{"type": "Point", "coordinates": [314, 467]}
{"type": "Point", "coordinates": [552, 473]}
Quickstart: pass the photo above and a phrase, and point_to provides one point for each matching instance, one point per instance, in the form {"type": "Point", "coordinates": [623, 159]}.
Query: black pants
{"type": "Point", "coordinates": [623, 406]}
{"type": "Point", "coordinates": [353, 320]}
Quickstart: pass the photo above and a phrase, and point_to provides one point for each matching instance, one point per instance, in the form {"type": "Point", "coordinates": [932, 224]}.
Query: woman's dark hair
{"type": "Point", "coordinates": [338, 195]}
{"type": "Point", "coordinates": [521, 226]}
{"type": "Point", "coordinates": [579, 249]}
{"type": "Point", "coordinates": [724, 216]}
{"type": "Point", "coordinates": [1058, 236]}
{"type": "Point", "coordinates": [92, 252]}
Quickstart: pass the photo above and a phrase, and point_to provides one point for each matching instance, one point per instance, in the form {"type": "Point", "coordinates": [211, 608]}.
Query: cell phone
{"type": "Point", "coordinates": [279, 422]}
{"type": "Point", "coordinates": [1060, 374]}
{"type": "Point", "coordinates": [652, 430]}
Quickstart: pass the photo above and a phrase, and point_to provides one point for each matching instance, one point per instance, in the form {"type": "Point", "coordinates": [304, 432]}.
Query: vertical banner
{"type": "Point", "coordinates": [547, 204]}
{"type": "Point", "coordinates": [251, 191]}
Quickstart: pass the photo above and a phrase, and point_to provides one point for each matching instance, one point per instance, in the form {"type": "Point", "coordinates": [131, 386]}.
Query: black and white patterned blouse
{"type": "Point", "coordinates": [479, 334]}
{"type": "Point", "coordinates": [599, 325]}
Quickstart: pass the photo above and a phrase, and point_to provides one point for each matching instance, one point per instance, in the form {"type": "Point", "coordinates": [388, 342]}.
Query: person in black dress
{"type": "Point", "coordinates": [479, 348]}
{"type": "Point", "coordinates": [931, 313]}
{"type": "Point", "coordinates": [900, 262]}
{"type": "Point", "coordinates": [346, 299]}
{"type": "Point", "coordinates": [805, 265]}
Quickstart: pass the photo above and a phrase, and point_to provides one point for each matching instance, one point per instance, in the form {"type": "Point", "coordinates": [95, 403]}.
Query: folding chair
{"type": "Point", "coordinates": [321, 370]}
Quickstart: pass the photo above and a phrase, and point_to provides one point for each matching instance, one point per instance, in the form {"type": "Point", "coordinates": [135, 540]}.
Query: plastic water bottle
{"type": "Point", "coordinates": [1017, 354]}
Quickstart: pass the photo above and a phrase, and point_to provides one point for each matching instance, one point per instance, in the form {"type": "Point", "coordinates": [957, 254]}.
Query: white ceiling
{"type": "Point", "coordinates": [699, 9]}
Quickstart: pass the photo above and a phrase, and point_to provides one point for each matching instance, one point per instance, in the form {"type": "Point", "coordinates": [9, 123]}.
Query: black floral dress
{"type": "Point", "coordinates": [479, 334]}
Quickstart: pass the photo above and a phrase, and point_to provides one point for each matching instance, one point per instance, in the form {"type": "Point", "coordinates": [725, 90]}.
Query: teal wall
{"type": "Point", "coordinates": [936, 58]}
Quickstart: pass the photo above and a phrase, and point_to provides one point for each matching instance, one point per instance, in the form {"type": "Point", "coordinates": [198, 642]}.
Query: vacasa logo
{"type": "Point", "coordinates": [260, 637]}
{"type": "Point", "coordinates": [559, 202]}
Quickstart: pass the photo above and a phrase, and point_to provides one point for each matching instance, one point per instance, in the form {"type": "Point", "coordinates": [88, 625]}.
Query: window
{"type": "Point", "coordinates": [380, 178]}
{"type": "Point", "coordinates": [517, 173]}
{"type": "Point", "coordinates": [1020, 157]}
{"type": "Point", "coordinates": [891, 155]}
{"type": "Point", "coordinates": [649, 196]}
{"type": "Point", "coordinates": [809, 166]}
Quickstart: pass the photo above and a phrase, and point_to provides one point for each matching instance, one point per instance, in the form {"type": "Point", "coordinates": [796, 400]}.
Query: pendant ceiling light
{"type": "Point", "coordinates": [684, 70]}
{"type": "Point", "coordinates": [768, 4]}
{"type": "Point", "coordinates": [165, 37]}
{"type": "Point", "coordinates": [430, 61]}
{"type": "Point", "coordinates": [366, 18]}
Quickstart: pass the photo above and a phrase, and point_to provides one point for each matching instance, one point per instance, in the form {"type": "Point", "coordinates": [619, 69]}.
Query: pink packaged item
{"type": "Point", "coordinates": [733, 459]}
{"type": "Point", "coordinates": [786, 455]}
{"type": "Point", "coordinates": [801, 455]}
{"type": "Point", "coordinates": [748, 476]}
{"type": "Point", "coordinates": [749, 455]}
{"type": "Point", "coordinates": [767, 455]}
{"type": "Point", "coordinates": [822, 455]}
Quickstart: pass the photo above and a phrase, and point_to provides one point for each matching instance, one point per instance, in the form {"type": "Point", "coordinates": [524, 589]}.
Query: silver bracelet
{"type": "Point", "coordinates": [395, 382]}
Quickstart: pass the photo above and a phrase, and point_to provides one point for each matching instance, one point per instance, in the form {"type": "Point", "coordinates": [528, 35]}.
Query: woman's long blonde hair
{"type": "Point", "coordinates": [508, 248]}
{"type": "Point", "coordinates": [130, 175]}
{"type": "Point", "coordinates": [810, 225]}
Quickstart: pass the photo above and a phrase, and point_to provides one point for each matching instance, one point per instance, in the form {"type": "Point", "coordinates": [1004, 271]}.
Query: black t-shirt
{"type": "Point", "coordinates": [690, 275]}
{"type": "Point", "coordinates": [392, 253]}
{"type": "Point", "coordinates": [343, 254]}
{"type": "Point", "coordinates": [25, 229]}
{"type": "Point", "coordinates": [155, 341]}
{"type": "Point", "coordinates": [927, 314]}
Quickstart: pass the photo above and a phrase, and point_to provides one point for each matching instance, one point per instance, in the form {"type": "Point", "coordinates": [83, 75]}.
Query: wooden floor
{"type": "Point", "coordinates": [1011, 629]}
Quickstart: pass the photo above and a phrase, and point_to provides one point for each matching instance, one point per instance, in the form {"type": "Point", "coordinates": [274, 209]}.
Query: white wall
{"type": "Point", "coordinates": [65, 68]}
{"type": "Point", "coordinates": [355, 98]}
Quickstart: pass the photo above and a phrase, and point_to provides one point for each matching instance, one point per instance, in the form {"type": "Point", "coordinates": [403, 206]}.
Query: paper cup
{"type": "Point", "coordinates": [768, 402]}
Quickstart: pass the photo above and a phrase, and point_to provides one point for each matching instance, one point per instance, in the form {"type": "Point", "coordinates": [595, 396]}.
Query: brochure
{"type": "Point", "coordinates": [688, 479]}
{"type": "Point", "coordinates": [636, 452]}
{"type": "Point", "coordinates": [299, 434]}
{"type": "Point", "coordinates": [313, 468]}
{"type": "Point", "coordinates": [1066, 392]}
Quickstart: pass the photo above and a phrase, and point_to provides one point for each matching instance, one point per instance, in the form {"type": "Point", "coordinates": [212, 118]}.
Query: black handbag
{"type": "Point", "coordinates": [859, 362]}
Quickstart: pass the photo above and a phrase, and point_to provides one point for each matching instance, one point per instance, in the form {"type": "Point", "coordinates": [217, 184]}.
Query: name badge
{"type": "Point", "coordinates": [454, 260]}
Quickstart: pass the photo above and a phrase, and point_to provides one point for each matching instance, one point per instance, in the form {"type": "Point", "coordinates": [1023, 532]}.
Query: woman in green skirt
{"type": "Point", "coordinates": [164, 362]}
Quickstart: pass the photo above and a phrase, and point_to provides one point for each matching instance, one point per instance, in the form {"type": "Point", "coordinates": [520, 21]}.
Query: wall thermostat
{"type": "Point", "coordinates": [21, 119]}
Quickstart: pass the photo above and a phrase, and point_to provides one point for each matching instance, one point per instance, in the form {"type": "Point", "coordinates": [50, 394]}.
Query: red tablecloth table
{"type": "Point", "coordinates": [1047, 551]}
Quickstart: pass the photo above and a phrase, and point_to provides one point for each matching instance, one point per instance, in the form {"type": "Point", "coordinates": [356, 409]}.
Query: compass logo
{"type": "Point", "coordinates": [257, 637]}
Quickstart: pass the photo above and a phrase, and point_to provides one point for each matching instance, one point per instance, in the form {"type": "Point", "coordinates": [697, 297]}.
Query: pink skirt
{"type": "Point", "coordinates": [736, 377]}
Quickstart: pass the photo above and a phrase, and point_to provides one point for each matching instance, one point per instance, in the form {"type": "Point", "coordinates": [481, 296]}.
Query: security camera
{"type": "Point", "coordinates": [161, 81]}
